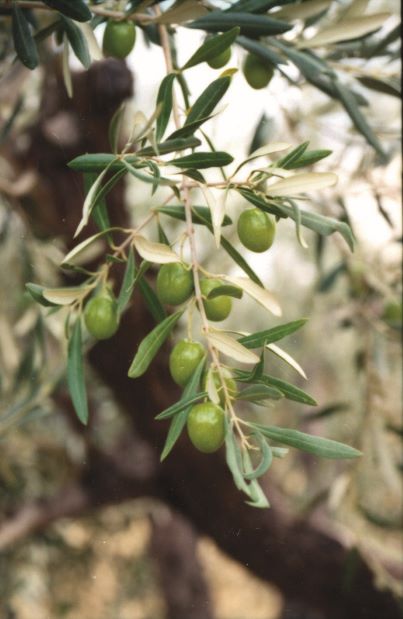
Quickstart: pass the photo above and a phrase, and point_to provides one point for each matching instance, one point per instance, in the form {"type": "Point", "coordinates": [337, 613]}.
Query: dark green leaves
{"type": "Point", "coordinates": [24, 43]}
{"type": "Point", "coordinates": [77, 41]}
{"type": "Point", "coordinates": [256, 393]}
{"type": "Point", "coordinates": [75, 373]}
{"type": "Point", "coordinates": [300, 157]}
{"type": "Point", "coordinates": [205, 104]}
{"type": "Point", "coordinates": [261, 338]}
{"type": "Point", "coordinates": [350, 104]}
{"type": "Point", "coordinates": [202, 160]}
{"type": "Point", "coordinates": [128, 282]}
{"type": "Point", "coordinates": [179, 421]}
{"type": "Point", "coordinates": [291, 392]}
{"type": "Point", "coordinates": [76, 9]}
{"type": "Point", "coordinates": [250, 25]}
{"type": "Point", "coordinates": [151, 345]}
{"type": "Point", "coordinates": [212, 48]}
{"type": "Point", "coordinates": [164, 100]}
{"type": "Point", "coordinates": [322, 447]}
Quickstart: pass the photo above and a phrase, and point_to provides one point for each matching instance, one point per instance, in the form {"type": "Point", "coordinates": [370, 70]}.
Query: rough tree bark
{"type": "Point", "coordinates": [307, 565]}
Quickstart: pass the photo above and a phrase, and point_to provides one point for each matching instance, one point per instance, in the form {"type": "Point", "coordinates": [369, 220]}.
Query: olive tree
{"type": "Point", "coordinates": [168, 150]}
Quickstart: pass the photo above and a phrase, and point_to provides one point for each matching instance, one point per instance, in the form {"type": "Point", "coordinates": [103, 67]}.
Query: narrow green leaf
{"type": "Point", "coordinates": [202, 160]}
{"type": "Point", "coordinates": [77, 41]}
{"type": "Point", "coordinates": [153, 303]}
{"type": "Point", "coordinates": [179, 406]}
{"type": "Point", "coordinates": [388, 86]}
{"type": "Point", "coordinates": [205, 104]}
{"type": "Point", "coordinates": [322, 447]}
{"type": "Point", "coordinates": [212, 48]}
{"type": "Point", "coordinates": [240, 261]}
{"type": "Point", "coordinates": [126, 289]}
{"type": "Point", "coordinates": [179, 421]}
{"type": "Point", "coordinates": [76, 9]}
{"type": "Point", "coordinates": [189, 128]}
{"type": "Point", "coordinates": [151, 178]}
{"type": "Point", "coordinates": [309, 158]}
{"type": "Point", "coordinates": [256, 393]}
{"type": "Point", "coordinates": [286, 161]}
{"type": "Point", "coordinates": [349, 103]}
{"type": "Point", "coordinates": [164, 100]}
{"type": "Point", "coordinates": [250, 25]}
{"type": "Point", "coordinates": [201, 215]}
{"type": "Point", "coordinates": [266, 458]}
{"type": "Point", "coordinates": [233, 459]}
{"type": "Point", "coordinates": [24, 43]}
{"type": "Point", "coordinates": [229, 291]}
{"type": "Point", "coordinates": [75, 373]}
{"type": "Point", "coordinates": [291, 392]}
{"type": "Point", "coordinates": [261, 338]}
{"type": "Point", "coordinates": [115, 126]}
{"type": "Point", "coordinates": [170, 146]}
{"type": "Point", "coordinates": [151, 344]}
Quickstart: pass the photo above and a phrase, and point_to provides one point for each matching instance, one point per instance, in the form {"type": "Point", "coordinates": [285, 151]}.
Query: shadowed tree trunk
{"type": "Point", "coordinates": [306, 564]}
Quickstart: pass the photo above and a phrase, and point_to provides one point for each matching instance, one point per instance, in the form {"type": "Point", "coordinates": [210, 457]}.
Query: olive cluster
{"type": "Point", "coordinates": [120, 36]}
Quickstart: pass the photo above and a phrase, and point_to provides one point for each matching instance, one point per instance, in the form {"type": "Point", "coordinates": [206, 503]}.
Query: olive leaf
{"type": "Point", "coordinates": [151, 344]}
{"type": "Point", "coordinates": [75, 373]}
{"type": "Point", "coordinates": [268, 336]}
{"type": "Point", "coordinates": [182, 404]}
{"type": "Point", "coordinates": [77, 10]}
{"type": "Point", "coordinates": [164, 100]}
{"type": "Point", "coordinates": [318, 446]}
{"type": "Point", "coordinates": [77, 41]}
{"type": "Point", "coordinates": [154, 252]}
{"type": "Point", "coordinates": [202, 160]}
{"type": "Point", "coordinates": [24, 43]}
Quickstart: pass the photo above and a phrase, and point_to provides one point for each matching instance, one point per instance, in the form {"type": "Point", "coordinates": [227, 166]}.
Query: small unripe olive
{"type": "Point", "coordinates": [256, 230]}
{"type": "Point", "coordinates": [184, 359]}
{"type": "Point", "coordinates": [174, 283]}
{"type": "Point", "coordinates": [206, 426]}
{"type": "Point", "coordinates": [257, 72]}
{"type": "Point", "coordinates": [101, 317]}
{"type": "Point", "coordinates": [119, 38]}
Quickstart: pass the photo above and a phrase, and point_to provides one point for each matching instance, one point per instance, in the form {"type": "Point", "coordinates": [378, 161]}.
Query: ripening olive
{"type": "Point", "coordinates": [101, 317]}
{"type": "Point", "coordinates": [257, 72]}
{"type": "Point", "coordinates": [174, 283]}
{"type": "Point", "coordinates": [184, 359]}
{"type": "Point", "coordinates": [119, 38]}
{"type": "Point", "coordinates": [206, 426]}
{"type": "Point", "coordinates": [256, 230]}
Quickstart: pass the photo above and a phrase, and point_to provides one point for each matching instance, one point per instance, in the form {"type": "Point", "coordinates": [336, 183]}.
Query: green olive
{"type": "Point", "coordinates": [101, 317]}
{"type": "Point", "coordinates": [256, 230]}
{"type": "Point", "coordinates": [174, 283]}
{"type": "Point", "coordinates": [257, 72]}
{"type": "Point", "coordinates": [206, 426]}
{"type": "Point", "coordinates": [119, 38]}
{"type": "Point", "coordinates": [216, 309]}
{"type": "Point", "coordinates": [184, 359]}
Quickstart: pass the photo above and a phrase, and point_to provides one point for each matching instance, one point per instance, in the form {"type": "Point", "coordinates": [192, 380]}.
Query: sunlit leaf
{"type": "Point", "coordinates": [154, 252]}
{"type": "Point", "coordinates": [264, 297]}
{"type": "Point", "coordinates": [230, 347]}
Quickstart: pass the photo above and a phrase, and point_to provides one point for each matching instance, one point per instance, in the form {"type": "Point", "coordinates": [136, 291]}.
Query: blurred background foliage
{"type": "Point", "coordinates": [101, 566]}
